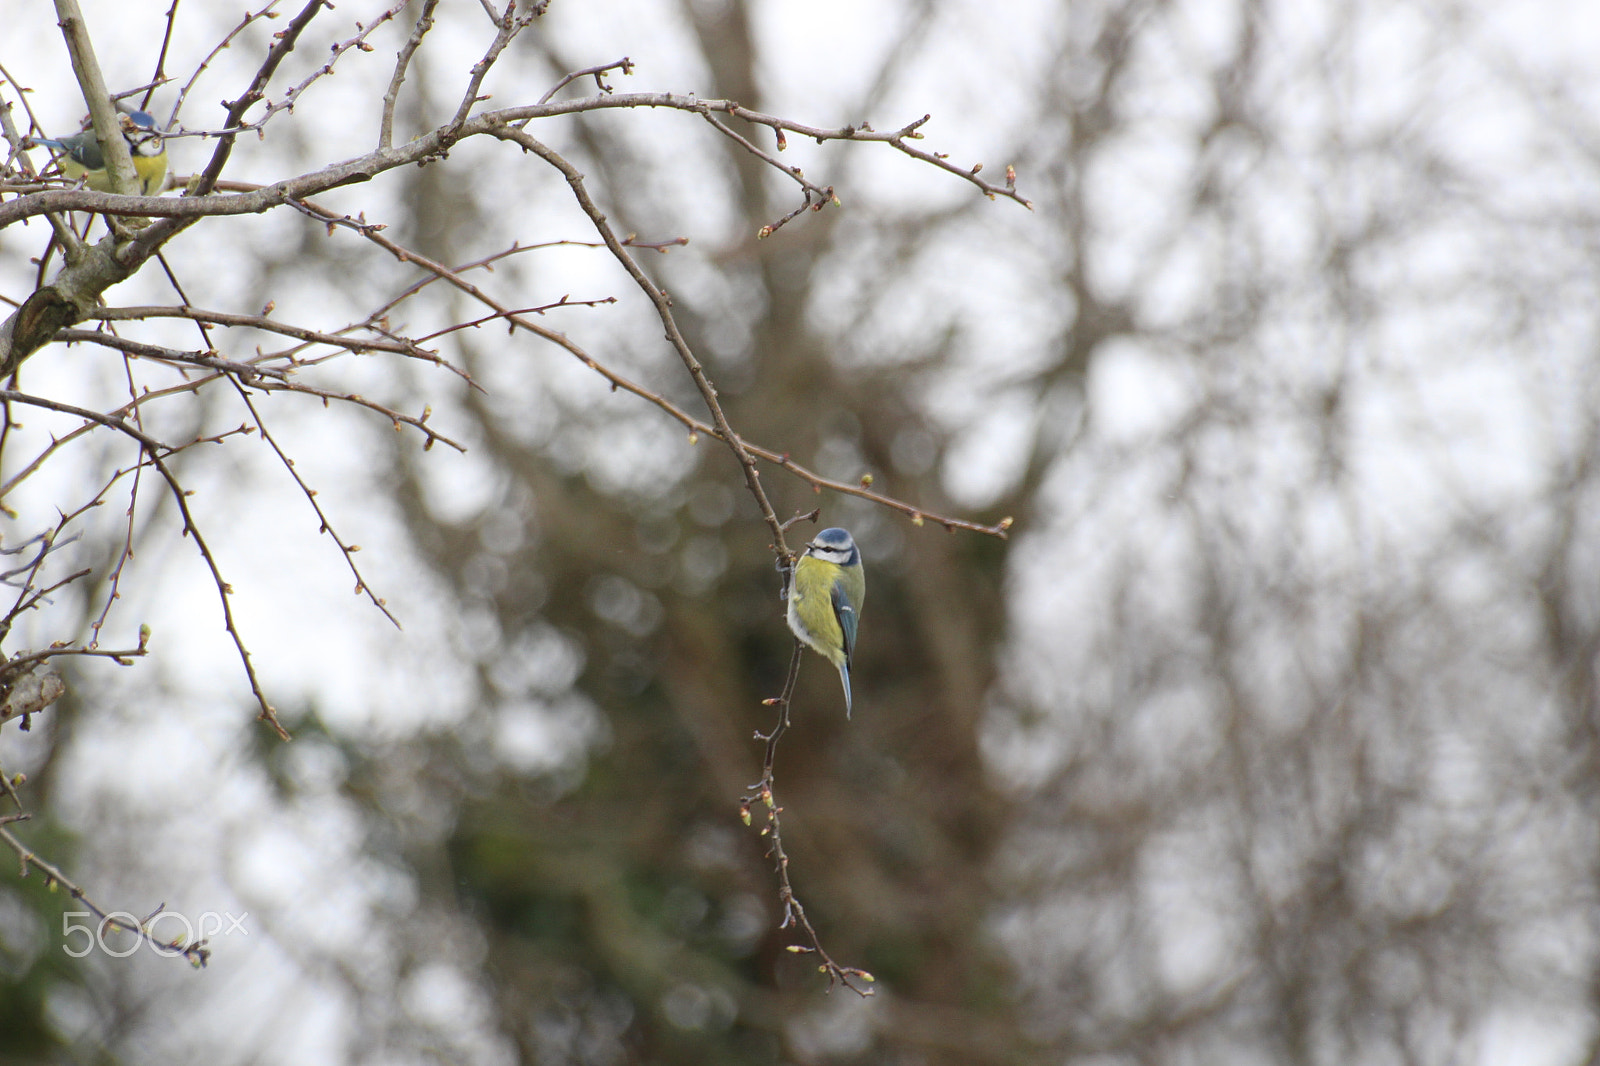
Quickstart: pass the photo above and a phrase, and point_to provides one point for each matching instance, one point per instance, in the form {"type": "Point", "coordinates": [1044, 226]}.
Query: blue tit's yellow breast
{"type": "Point", "coordinates": [99, 180]}
{"type": "Point", "coordinates": [811, 599]}
{"type": "Point", "coordinates": [152, 171]}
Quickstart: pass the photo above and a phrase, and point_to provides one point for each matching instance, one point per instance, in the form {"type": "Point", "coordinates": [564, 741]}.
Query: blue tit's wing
{"type": "Point", "coordinates": [84, 148]}
{"type": "Point", "coordinates": [845, 612]}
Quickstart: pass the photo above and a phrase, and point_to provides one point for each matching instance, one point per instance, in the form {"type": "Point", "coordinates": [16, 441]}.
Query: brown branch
{"type": "Point", "coordinates": [485, 263]}
{"type": "Point", "coordinates": [159, 78]}
{"type": "Point", "coordinates": [205, 64]}
{"type": "Point", "coordinates": [265, 378]}
{"type": "Point", "coordinates": [197, 953]}
{"type": "Point", "coordinates": [764, 792]}
{"type": "Point", "coordinates": [155, 449]}
{"type": "Point", "coordinates": [59, 442]}
{"type": "Point", "coordinates": [113, 146]}
{"type": "Point", "coordinates": [488, 261]}
{"type": "Point", "coordinates": [114, 585]}
{"type": "Point", "coordinates": [430, 146]}
{"type": "Point", "coordinates": [28, 597]}
{"type": "Point", "coordinates": [355, 399]}
{"type": "Point", "coordinates": [507, 26]}
{"type": "Point", "coordinates": [122, 658]}
{"type": "Point", "coordinates": [541, 309]}
{"type": "Point", "coordinates": [125, 552]}
{"type": "Point", "coordinates": [354, 345]}
{"type": "Point", "coordinates": [624, 64]}
{"type": "Point", "coordinates": [694, 425]}
{"type": "Point", "coordinates": [663, 306]}
{"type": "Point", "coordinates": [402, 63]}
{"type": "Point", "coordinates": [268, 713]}
{"type": "Point", "coordinates": [284, 42]}
{"type": "Point", "coordinates": [486, 123]}
{"type": "Point", "coordinates": [110, 421]}
{"type": "Point", "coordinates": [347, 550]}
{"type": "Point", "coordinates": [812, 196]}
{"type": "Point", "coordinates": [292, 95]}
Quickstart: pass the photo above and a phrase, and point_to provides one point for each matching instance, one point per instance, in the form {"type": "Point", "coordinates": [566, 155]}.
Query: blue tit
{"type": "Point", "coordinates": [826, 592]}
{"type": "Point", "coordinates": [145, 144]}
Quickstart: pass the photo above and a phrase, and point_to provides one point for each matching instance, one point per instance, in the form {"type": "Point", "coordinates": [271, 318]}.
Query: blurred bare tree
{"type": "Point", "coordinates": [1270, 734]}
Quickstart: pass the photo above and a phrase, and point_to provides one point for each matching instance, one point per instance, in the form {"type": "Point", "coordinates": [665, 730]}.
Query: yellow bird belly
{"type": "Point", "coordinates": [811, 614]}
{"type": "Point", "coordinates": [152, 171]}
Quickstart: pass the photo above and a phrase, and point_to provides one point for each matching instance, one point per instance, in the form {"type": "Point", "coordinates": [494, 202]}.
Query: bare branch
{"type": "Point", "coordinates": [197, 953]}
{"type": "Point", "coordinates": [205, 64]}
{"type": "Point", "coordinates": [764, 793]}
{"type": "Point", "coordinates": [347, 550]}
{"type": "Point", "coordinates": [402, 62]}
{"type": "Point", "coordinates": [283, 44]}
{"type": "Point", "coordinates": [268, 713]}
{"type": "Point", "coordinates": [624, 64]}
{"type": "Point", "coordinates": [265, 323]}
{"type": "Point", "coordinates": [507, 26]}
{"type": "Point", "coordinates": [695, 426]}
{"type": "Point", "coordinates": [113, 147]}
{"type": "Point", "coordinates": [429, 146]}
{"type": "Point", "coordinates": [663, 306]}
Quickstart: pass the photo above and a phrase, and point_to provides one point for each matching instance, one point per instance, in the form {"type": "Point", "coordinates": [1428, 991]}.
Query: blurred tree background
{"type": "Point", "coordinates": [1270, 734]}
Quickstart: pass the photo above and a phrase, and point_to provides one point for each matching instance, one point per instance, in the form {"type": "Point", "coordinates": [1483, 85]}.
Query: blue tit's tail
{"type": "Point", "coordinates": [844, 675]}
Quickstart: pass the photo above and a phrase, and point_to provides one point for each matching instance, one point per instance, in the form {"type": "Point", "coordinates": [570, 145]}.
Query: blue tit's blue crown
{"type": "Point", "coordinates": [836, 546]}
{"type": "Point", "coordinates": [139, 129]}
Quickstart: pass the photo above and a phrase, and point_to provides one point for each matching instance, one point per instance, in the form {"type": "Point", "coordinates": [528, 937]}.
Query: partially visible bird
{"type": "Point", "coordinates": [826, 592]}
{"type": "Point", "coordinates": [83, 158]}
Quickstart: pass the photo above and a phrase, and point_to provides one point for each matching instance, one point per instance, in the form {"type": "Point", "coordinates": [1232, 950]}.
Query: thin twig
{"type": "Point", "coordinates": [347, 550]}
{"type": "Point", "coordinates": [265, 378]}
{"type": "Point", "coordinates": [541, 309]}
{"type": "Point", "coordinates": [624, 64]}
{"type": "Point", "coordinates": [284, 42]}
{"type": "Point", "coordinates": [125, 553]}
{"type": "Point", "coordinates": [338, 340]}
{"type": "Point", "coordinates": [250, 18]}
{"type": "Point", "coordinates": [109, 421]}
{"type": "Point", "coordinates": [28, 595]}
{"type": "Point", "coordinates": [507, 26]}
{"type": "Point", "coordinates": [268, 713]}
{"type": "Point", "coordinates": [159, 78]}
{"type": "Point", "coordinates": [430, 146]}
{"type": "Point", "coordinates": [695, 426]}
{"type": "Point", "coordinates": [402, 62]}
{"type": "Point", "coordinates": [122, 657]}
{"type": "Point", "coordinates": [155, 450]}
{"type": "Point", "coordinates": [197, 953]}
{"type": "Point", "coordinates": [663, 306]}
{"type": "Point", "coordinates": [764, 793]}
{"type": "Point", "coordinates": [292, 95]}
{"type": "Point", "coordinates": [56, 443]}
